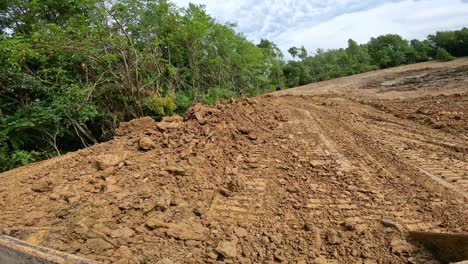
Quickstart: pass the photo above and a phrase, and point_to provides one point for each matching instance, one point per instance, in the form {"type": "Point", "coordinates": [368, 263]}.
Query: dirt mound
{"type": "Point", "coordinates": [151, 187]}
{"type": "Point", "coordinates": [248, 181]}
{"type": "Point", "coordinates": [292, 179]}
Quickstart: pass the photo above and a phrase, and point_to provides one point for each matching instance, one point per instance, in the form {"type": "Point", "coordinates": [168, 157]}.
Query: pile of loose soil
{"type": "Point", "coordinates": [266, 180]}
{"type": "Point", "coordinates": [146, 195]}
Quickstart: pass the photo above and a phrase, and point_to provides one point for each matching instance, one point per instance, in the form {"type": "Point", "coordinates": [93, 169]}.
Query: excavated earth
{"type": "Point", "coordinates": [314, 174]}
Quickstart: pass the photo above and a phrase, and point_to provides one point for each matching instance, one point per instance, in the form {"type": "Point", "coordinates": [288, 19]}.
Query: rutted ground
{"type": "Point", "coordinates": [289, 179]}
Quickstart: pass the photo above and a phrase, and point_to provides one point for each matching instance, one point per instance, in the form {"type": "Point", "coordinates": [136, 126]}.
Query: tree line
{"type": "Point", "coordinates": [72, 70]}
{"type": "Point", "coordinates": [379, 53]}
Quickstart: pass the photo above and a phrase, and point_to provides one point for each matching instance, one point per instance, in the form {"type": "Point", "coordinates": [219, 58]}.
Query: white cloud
{"type": "Point", "coordinates": [330, 23]}
{"type": "Point", "coordinates": [411, 19]}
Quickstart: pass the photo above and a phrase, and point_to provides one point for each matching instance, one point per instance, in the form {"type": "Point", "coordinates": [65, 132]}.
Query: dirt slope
{"type": "Point", "coordinates": [410, 81]}
{"type": "Point", "coordinates": [328, 178]}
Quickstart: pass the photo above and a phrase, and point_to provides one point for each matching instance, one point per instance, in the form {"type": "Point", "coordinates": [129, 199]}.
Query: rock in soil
{"type": "Point", "coordinates": [106, 161]}
{"type": "Point", "coordinates": [227, 249]}
{"type": "Point", "coordinates": [42, 186]}
{"type": "Point", "coordinates": [146, 143]}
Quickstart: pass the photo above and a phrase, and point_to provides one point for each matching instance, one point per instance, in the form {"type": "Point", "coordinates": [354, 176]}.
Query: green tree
{"type": "Point", "coordinates": [419, 51]}
{"type": "Point", "coordinates": [359, 58]}
{"type": "Point", "coordinates": [303, 54]}
{"type": "Point", "coordinates": [388, 50]}
{"type": "Point", "coordinates": [296, 73]}
{"type": "Point", "coordinates": [270, 49]}
{"type": "Point", "coordinates": [455, 42]}
{"type": "Point", "coordinates": [21, 16]}
{"type": "Point", "coordinates": [294, 52]}
{"type": "Point", "coordinates": [274, 59]}
{"type": "Point", "coordinates": [443, 55]}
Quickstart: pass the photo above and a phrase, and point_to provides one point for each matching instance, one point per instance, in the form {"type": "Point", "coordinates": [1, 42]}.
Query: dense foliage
{"type": "Point", "coordinates": [72, 70]}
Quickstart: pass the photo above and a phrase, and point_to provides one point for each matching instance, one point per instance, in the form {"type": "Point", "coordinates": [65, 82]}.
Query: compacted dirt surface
{"type": "Point", "coordinates": [314, 174]}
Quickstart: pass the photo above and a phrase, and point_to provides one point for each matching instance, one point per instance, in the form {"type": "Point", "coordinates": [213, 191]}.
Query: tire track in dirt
{"type": "Point", "coordinates": [405, 215]}
{"type": "Point", "coordinates": [328, 145]}
{"type": "Point", "coordinates": [449, 173]}
{"type": "Point", "coordinates": [353, 195]}
{"type": "Point", "coordinates": [244, 205]}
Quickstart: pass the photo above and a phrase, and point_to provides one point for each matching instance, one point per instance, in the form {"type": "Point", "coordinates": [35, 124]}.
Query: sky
{"type": "Point", "coordinates": [328, 24]}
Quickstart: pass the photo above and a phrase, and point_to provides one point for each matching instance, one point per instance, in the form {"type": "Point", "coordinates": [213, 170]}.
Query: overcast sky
{"type": "Point", "coordinates": [330, 23]}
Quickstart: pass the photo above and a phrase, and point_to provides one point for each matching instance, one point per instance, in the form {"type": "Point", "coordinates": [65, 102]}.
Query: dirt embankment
{"type": "Point", "coordinates": [290, 179]}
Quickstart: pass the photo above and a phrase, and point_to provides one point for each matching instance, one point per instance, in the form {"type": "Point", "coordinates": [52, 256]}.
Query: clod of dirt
{"type": "Point", "coordinates": [199, 117]}
{"type": "Point", "coordinates": [237, 183]}
{"type": "Point", "coordinates": [178, 171]}
{"type": "Point", "coordinates": [135, 126]}
{"type": "Point", "coordinates": [183, 231]}
{"type": "Point", "coordinates": [173, 119]}
{"type": "Point", "coordinates": [320, 260]}
{"type": "Point", "coordinates": [244, 130]}
{"type": "Point", "coordinates": [98, 245]}
{"type": "Point", "coordinates": [225, 192]}
{"type": "Point", "coordinates": [251, 101]}
{"type": "Point", "coordinates": [122, 232]}
{"type": "Point", "coordinates": [240, 232]}
{"type": "Point", "coordinates": [146, 143]}
{"type": "Point", "coordinates": [200, 113]}
{"type": "Point", "coordinates": [170, 122]}
{"type": "Point", "coordinates": [333, 238]}
{"type": "Point", "coordinates": [106, 161]}
{"type": "Point", "coordinates": [42, 186]}
{"type": "Point", "coordinates": [165, 261]}
{"type": "Point", "coordinates": [390, 223]}
{"type": "Point", "coordinates": [62, 213]}
{"type": "Point", "coordinates": [125, 255]}
{"type": "Point", "coordinates": [252, 136]}
{"type": "Point", "coordinates": [401, 247]}
{"type": "Point", "coordinates": [227, 249]}
{"type": "Point", "coordinates": [154, 224]}
{"type": "Point", "coordinates": [349, 224]}
{"type": "Point", "coordinates": [308, 227]}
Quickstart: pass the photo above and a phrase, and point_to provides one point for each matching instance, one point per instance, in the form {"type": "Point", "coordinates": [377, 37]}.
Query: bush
{"type": "Point", "coordinates": [183, 101]}
{"type": "Point", "coordinates": [213, 95]}
{"type": "Point", "coordinates": [255, 90]}
{"type": "Point", "coordinates": [10, 160]}
{"type": "Point", "coordinates": [161, 106]}
{"type": "Point", "coordinates": [443, 55]}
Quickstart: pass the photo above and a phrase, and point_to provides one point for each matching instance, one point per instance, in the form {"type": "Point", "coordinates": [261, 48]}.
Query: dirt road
{"type": "Point", "coordinates": [336, 172]}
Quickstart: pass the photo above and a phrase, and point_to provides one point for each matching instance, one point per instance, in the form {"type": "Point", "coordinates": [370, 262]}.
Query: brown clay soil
{"type": "Point", "coordinates": [333, 172]}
